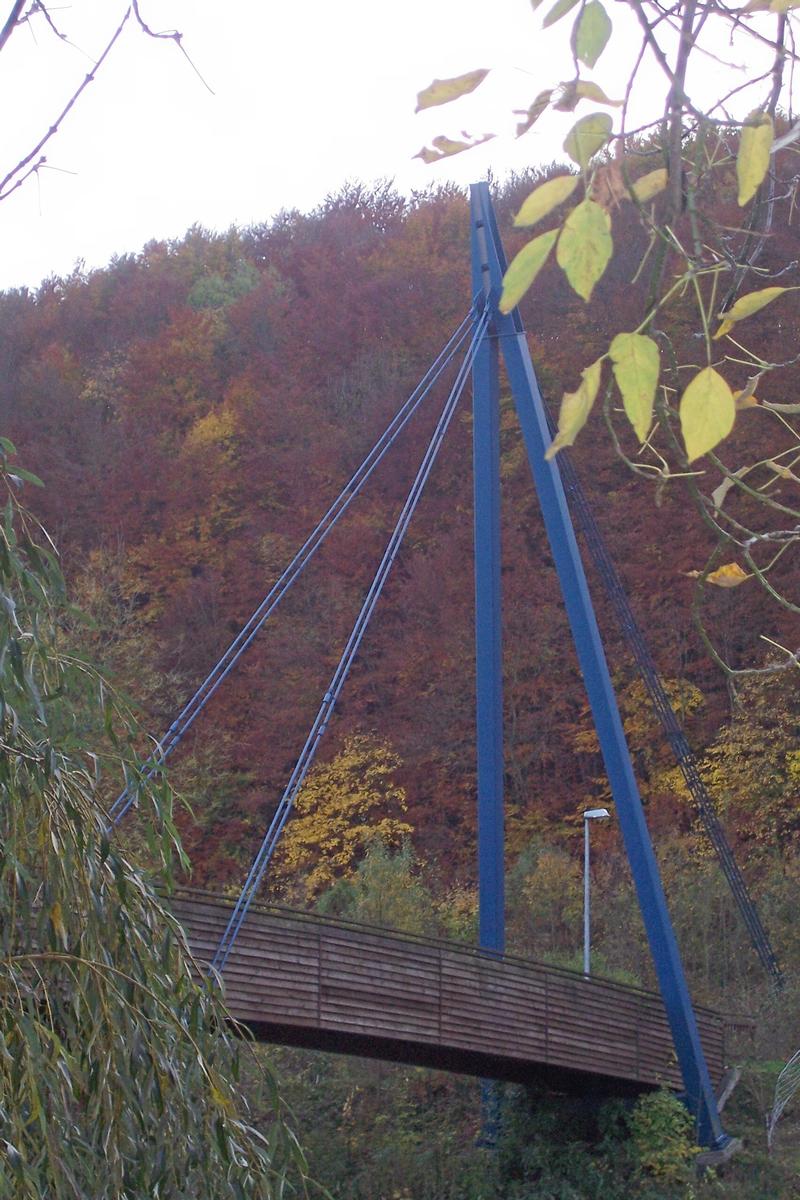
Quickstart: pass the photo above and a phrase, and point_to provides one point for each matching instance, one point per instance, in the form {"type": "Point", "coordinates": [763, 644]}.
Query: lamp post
{"type": "Point", "coordinates": [591, 814]}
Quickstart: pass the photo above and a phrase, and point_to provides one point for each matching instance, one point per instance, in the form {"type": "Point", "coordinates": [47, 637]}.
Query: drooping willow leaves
{"type": "Point", "coordinates": [118, 1071]}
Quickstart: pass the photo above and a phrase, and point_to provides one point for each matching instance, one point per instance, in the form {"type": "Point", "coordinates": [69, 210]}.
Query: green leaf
{"type": "Point", "coordinates": [442, 91]}
{"type": "Point", "coordinates": [585, 246]}
{"type": "Point", "coordinates": [576, 90]}
{"type": "Point", "coordinates": [649, 185]}
{"type": "Point", "coordinates": [575, 409]}
{"type": "Point", "coordinates": [587, 136]}
{"type": "Point", "coordinates": [531, 115]}
{"type": "Point", "coordinates": [28, 476]}
{"type": "Point", "coordinates": [545, 198]}
{"type": "Point", "coordinates": [707, 412]}
{"type": "Point", "coordinates": [443, 147]}
{"type": "Point", "coordinates": [745, 306]}
{"type": "Point", "coordinates": [524, 268]}
{"type": "Point", "coordinates": [591, 32]}
{"type": "Point", "coordinates": [559, 10]}
{"type": "Point", "coordinates": [752, 161]}
{"type": "Point", "coordinates": [636, 363]}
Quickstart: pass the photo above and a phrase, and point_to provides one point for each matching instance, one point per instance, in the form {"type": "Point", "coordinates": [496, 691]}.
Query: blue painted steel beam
{"type": "Point", "coordinates": [699, 1093]}
{"type": "Point", "coordinates": [488, 628]}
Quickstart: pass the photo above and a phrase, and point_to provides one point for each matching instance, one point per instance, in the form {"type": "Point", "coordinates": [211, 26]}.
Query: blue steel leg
{"type": "Point", "coordinates": [488, 634]}
{"type": "Point", "coordinates": [644, 868]}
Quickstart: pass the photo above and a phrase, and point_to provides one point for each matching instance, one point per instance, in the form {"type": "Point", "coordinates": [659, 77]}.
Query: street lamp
{"type": "Point", "coordinates": [591, 814]}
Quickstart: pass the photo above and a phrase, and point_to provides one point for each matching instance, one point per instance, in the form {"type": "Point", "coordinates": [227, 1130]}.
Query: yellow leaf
{"type": "Point", "coordinates": [745, 306]}
{"type": "Point", "coordinates": [575, 409]}
{"type": "Point", "coordinates": [559, 10]}
{"type": "Point", "coordinates": [752, 161]}
{"type": "Point", "coordinates": [636, 363]}
{"type": "Point", "coordinates": [442, 91]}
{"type": "Point", "coordinates": [524, 268]}
{"type": "Point", "coordinates": [649, 185]}
{"type": "Point", "coordinates": [444, 147]}
{"type": "Point", "coordinates": [782, 6]}
{"type": "Point", "coordinates": [585, 246]}
{"type": "Point", "coordinates": [745, 399]}
{"type": "Point", "coordinates": [533, 113]}
{"type": "Point", "coordinates": [218, 1097]}
{"type": "Point", "coordinates": [707, 412]}
{"type": "Point", "coordinates": [545, 198]}
{"type": "Point", "coordinates": [591, 33]}
{"type": "Point", "coordinates": [728, 576]}
{"type": "Point", "coordinates": [574, 91]}
{"type": "Point", "coordinates": [587, 136]}
{"type": "Point", "coordinates": [608, 186]}
{"type": "Point", "coordinates": [783, 472]}
{"type": "Point", "coordinates": [57, 921]}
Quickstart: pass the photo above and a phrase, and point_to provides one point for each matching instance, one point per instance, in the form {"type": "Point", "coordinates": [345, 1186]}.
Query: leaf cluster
{"type": "Point", "coordinates": [704, 180]}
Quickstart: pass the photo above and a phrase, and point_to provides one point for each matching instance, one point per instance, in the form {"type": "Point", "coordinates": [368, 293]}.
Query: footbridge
{"type": "Point", "coordinates": [300, 980]}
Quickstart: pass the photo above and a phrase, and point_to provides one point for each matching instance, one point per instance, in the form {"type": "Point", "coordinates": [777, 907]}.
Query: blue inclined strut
{"type": "Point", "coordinates": [662, 706]}
{"type": "Point", "coordinates": [489, 265]}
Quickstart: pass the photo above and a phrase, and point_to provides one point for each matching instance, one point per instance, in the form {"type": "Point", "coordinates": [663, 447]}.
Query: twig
{"type": "Point", "coordinates": [5, 190]}
{"type": "Point", "coordinates": [169, 35]}
{"type": "Point", "coordinates": [11, 22]}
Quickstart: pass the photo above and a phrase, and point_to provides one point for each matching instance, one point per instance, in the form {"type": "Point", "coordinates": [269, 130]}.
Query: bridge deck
{"type": "Point", "coordinates": [300, 980]}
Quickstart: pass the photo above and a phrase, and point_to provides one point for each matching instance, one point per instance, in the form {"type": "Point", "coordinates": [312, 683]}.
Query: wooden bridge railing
{"type": "Point", "coordinates": [298, 979]}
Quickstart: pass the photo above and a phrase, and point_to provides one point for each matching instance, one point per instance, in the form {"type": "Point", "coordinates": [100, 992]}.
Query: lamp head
{"type": "Point", "coordinates": [596, 814]}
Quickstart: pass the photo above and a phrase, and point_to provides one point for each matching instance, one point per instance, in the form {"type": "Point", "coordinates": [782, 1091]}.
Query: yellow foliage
{"type": "Point", "coordinates": [214, 429]}
{"type": "Point", "coordinates": [342, 807]}
{"type": "Point", "coordinates": [652, 757]}
{"type": "Point", "coordinates": [753, 767]}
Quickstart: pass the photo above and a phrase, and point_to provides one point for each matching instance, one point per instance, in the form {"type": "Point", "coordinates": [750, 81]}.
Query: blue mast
{"type": "Point", "coordinates": [488, 610]}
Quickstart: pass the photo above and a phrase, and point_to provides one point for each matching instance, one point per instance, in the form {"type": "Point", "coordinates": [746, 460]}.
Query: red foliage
{"type": "Point", "coordinates": [201, 404]}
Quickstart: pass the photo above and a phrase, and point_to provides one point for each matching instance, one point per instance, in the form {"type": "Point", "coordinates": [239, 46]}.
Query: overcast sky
{"type": "Point", "coordinates": [306, 95]}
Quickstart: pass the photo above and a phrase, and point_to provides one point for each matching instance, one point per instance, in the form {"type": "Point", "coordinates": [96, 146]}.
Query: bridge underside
{"type": "Point", "coordinates": [297, 980]}
{"type": "Point", "coordinates": [447, 1058]}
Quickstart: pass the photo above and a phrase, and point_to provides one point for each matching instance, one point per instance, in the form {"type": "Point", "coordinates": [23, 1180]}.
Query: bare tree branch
{"type": "Point", "coordinates": [11, 22]}
{"type": "Point", "coordinates": [8, 184]}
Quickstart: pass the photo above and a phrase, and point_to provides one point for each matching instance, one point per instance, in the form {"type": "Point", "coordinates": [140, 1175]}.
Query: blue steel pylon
{"type": "Point", "coordinates": [505, 333]}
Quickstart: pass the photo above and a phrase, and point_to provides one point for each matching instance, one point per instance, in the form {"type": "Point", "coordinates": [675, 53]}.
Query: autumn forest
{"type": "Point", "coordinates": [194, 408]}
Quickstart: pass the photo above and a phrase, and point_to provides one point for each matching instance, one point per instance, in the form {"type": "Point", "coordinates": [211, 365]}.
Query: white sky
{"type": "Point", "coordinates": [307, 94]}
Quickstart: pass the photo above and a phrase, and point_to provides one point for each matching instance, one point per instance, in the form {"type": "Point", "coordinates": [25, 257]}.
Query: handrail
{"type": "Point", "coordinates": [301, 916]}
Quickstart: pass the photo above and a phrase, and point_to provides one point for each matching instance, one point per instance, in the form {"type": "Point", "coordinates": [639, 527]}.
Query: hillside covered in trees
{"type": "Point", "coordinates": [192, 411]}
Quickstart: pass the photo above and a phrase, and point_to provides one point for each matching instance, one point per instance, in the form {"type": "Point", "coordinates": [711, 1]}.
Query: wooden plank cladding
{"type": "Point", "coordinates": [301, 980]}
